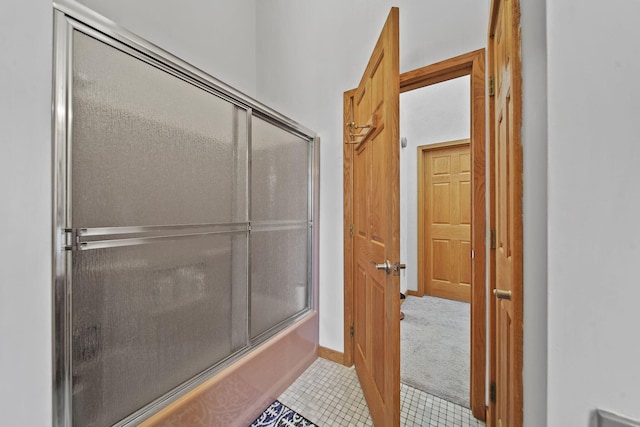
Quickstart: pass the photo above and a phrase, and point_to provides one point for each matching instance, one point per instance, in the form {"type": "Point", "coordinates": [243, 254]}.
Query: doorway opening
{"type": "Point", "coordinates": [470, 64]}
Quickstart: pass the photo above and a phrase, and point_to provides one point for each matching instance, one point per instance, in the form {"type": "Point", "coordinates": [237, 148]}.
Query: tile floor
{"type": "Point", "coordinates": [329, 395]}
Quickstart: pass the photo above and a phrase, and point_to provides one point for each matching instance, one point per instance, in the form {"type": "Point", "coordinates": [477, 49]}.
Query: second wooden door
{"type": "Point", "coordinates": [446, 227]}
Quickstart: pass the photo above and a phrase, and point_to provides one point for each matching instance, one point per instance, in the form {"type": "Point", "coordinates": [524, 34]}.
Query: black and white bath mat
{"type": "Point", "coordinates": [278, 415]}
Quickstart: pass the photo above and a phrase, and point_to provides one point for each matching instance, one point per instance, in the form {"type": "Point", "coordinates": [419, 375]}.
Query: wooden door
{"type": "Point", "coordinates": [504, 42]}
{"type": "Point", "coordinates": [374, 137]}
{"type": "Point", "coordinates": [447, 221]}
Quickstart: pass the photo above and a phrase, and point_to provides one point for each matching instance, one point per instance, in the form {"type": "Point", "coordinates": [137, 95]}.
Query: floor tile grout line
{"type": "Point", "coordinates": [336, 395]}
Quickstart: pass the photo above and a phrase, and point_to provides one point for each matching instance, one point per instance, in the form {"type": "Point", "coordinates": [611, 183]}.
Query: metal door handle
{"type": "Point", "coordinates": [397, 267]}
{"type": "Point", "coordinates": [386, 266]}
{"type": "Point", "coordinates": [499, 293]}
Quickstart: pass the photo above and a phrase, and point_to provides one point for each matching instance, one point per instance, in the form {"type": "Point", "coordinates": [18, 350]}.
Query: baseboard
{"type": "Point", "coordinates": [414, 294]}
{"type": "Point", "coordinates": [334, 356]}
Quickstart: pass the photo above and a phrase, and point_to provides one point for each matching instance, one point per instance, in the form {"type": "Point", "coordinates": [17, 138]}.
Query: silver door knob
{"type": "Point", "coordinates": [386, 266]}
{"type": "Point", "coordinates": [499, 293]}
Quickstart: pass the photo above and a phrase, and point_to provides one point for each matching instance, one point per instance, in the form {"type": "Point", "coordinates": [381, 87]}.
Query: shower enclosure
{"type": "Point", "coordinates": [184, 224]}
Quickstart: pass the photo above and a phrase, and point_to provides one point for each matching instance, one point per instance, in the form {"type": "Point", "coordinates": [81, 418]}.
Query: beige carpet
{"type": "Point", "coordinates": [434, 347]}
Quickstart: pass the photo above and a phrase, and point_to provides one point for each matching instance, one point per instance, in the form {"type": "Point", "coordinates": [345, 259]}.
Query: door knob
{"type": "Point", "coordinates": [386, 266]}
{"type": "Point", "coordinates": [499, 293]}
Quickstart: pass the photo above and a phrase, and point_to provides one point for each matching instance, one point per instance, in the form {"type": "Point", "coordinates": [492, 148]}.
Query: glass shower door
{"type": "Point", "coordinates": [158, 190]}
{"type": "Point", "coordinates": [183, 225]}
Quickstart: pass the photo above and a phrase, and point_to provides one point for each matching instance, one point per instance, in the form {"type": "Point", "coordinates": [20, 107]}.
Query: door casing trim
{"type": "Point", "coordinates": [472, 64]}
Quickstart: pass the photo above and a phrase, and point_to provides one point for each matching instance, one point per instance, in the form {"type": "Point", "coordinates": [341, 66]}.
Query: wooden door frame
{"type": "Point", "coordinates": [516, 219]}
{"type": "Point", "coordinates": [471, 64]}
{"type": "Point", "coordinates": [422, 226]}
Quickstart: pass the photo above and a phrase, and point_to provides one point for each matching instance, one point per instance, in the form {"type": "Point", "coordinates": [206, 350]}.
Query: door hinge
{"type": "Point", "coordinates": [492, 392]}
{"type": "Point", "coordinates": [492, 239]}
{"type": "Point", "coordinates": [70, 239]}
{"type": "Point", "coordinates": [491, 86]}
{"type": "Point", "coordinates": [351, 229]}
{"type": "Point", "coordinates": [351, 329]}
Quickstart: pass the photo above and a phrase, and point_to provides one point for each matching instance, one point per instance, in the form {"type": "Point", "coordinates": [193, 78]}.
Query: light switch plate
{"type": "Point", "coordinates": [607, 419]}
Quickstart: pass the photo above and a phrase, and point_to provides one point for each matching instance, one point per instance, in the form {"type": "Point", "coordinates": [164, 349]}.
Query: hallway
{"type": "Point", "coordinates": [329, 394]}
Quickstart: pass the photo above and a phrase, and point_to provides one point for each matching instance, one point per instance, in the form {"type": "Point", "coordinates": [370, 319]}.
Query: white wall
{"type": "Point", "coordinates": [218, 37]}
{"type": "Point", "coordinates": [594, 209]}
{"type": "Point", "coordinates": [429, 115]}
{"type": "Point", "coordinates": [25, 213]}
{"type": "Point", "coordinates": [309, 53]}
{"type": "Point", "coordinates": [534, 145]}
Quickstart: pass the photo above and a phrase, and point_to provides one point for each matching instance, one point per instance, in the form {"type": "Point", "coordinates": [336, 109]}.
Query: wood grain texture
{"type": "Point", "coordinates": [506, 316]}
{"type": "Point", "coordinates": [422, 278]}
{"type": "Point", "coordinates": [491, 306]}
{"type": "Point", "coordinates": [478, 237]}
{"type": "Point", "coordinates": [392, 310]}
{"type": "Point", "coordinates": [333, 355]}
{"type": "Point", "coordinates": [422, 206]}
{"type": "Point", "coordinates": [444, 257]}
{"type": "Point", "coordinates": [471, 64]}
{"type": "Point", "coordinates": [439, 72]}
{"type": "Point", "coordinates": [376, 223]}
{"type": "Point", "coordinates": [347, 155]}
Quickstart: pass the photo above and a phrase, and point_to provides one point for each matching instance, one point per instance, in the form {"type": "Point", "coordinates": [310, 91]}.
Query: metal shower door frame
{"type": "Point", "coordinates": [70, 16]}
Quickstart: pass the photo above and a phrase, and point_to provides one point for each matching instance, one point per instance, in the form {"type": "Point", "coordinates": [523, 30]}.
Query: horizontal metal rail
{"type": "Point", "coordinates": [113, 237]}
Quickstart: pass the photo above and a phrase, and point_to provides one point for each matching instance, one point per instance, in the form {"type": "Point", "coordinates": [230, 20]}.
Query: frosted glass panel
{"type": "Point", "coordinates": [154, 178]}
{"type": "Point", "coordinates": [279, 174]}
{"type": "Point", "coordinates": [278, 276]}
{"type": "Point", "coordinates": [146, 318]}
{"type": "Point", "coordinates": [150, 148]}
